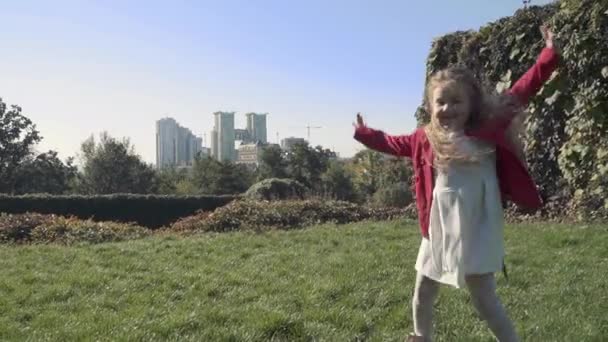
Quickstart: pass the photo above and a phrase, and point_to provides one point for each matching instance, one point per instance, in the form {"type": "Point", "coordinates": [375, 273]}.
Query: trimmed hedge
{"type": "Point", "coordinates": [152, 211]}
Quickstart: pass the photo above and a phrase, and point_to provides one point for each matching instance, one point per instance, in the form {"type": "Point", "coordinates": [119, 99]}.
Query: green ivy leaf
{"type": "Point", "coordinates": [514, 53]}
{"type": "Point", "coordinates": [553, 98]}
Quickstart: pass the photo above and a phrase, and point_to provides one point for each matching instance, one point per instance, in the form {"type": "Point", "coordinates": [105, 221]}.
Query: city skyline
{"type": "Point", "coordinates": [177, 146]}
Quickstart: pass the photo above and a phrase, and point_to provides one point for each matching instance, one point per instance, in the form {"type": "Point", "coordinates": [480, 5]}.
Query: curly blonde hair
{"type": "Point", "coordinates": [483, 106]}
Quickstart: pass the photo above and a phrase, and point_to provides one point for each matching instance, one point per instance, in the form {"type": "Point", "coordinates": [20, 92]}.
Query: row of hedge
{"type": "Point", "coordinates": [152, 211]}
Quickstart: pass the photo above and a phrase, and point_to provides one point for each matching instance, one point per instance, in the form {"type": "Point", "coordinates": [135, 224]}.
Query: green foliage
{"type": "Point", "coordinates": [45, 173]}
{"type": "Point", "coordinates": [338, 183]}
{"type": "Point", "coordinates": [111, 166]}
{"type": "Point", "coordinates": [567, 129]}
{"type": "Point", "coordinates": [71, 231]}
{"type": "Point", "coordinates": [365, 167]}
{"type": "Point", "coordinates": [264, 215]}
{"type": "Point", "coordinates": [18, 135]}
{"type": "Point", "coordinates": [397, 195]}
{"type": "Point", "coordinates": [272, 163]}
{"type": "Point", "coordinates": [174, 181]}
{"type": "Point", "coordinates": [38, 228]}
{"type": "Point", "coordinates": [211, 176]}
{"type": "Point", "coordinates": [372, 171]}
{"type": "Point", "coordinates": [277, 189]}
{"type": "Point", "coordinates": [18, 228]}
{"type": "Point", "coordinates": [306, 164]}
{"type": "Point", "coordinates": [151, 211]}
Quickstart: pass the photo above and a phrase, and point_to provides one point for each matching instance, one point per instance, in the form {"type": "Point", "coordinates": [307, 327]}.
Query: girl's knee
{"type": "Point", "coordinates": [483, 292]}
{"type": "Point", "coordinates": [426, 290]}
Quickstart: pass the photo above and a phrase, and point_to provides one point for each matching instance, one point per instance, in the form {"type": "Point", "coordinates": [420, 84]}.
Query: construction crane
{"type": "Point", "coordinates": [308, 128]}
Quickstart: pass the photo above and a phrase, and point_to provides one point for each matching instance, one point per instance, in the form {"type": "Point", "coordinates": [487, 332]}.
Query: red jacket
{"type": "Point", "coordinates": [515, 182]}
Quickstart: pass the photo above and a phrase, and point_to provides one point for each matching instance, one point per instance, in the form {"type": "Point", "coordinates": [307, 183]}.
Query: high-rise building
{"type": "Point", "coordinates": [223, 132]}
{"type": "Point", "coordinates": [175, 145]}
{"type": "Point", "coordinates": [256, 126]}
{"type": "Point", "coordinates": [166, 137]}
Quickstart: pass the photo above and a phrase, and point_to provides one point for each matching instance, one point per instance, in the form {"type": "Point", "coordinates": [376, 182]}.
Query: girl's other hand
{"type": "Point", "coordinates": [359, 123]}
{"type": "Point", "coordinates": [548, 36]}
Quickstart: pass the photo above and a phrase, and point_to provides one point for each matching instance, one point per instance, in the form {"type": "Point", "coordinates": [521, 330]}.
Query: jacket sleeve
{"type": "Point", "coordinates": [531, 82]}
{"type": "Point", "coordinates": [397, 145]}
{"type": "Point", "coordinates": [526, 87]}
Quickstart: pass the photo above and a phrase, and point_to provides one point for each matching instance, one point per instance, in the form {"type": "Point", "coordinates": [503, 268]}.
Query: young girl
{"type": "Point", "coordinates": [466, 160]}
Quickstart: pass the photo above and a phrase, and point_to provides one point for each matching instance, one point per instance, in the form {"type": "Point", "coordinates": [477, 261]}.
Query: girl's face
{"type": "Point", "coordinates": [450, 105]}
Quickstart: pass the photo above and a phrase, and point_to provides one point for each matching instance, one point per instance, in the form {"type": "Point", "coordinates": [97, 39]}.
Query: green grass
{"type": "Point", "coordinates": [328, 283]}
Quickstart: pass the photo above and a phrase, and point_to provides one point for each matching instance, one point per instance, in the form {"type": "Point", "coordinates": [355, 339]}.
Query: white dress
{"type": "Point", "coordinates": [466, 222]}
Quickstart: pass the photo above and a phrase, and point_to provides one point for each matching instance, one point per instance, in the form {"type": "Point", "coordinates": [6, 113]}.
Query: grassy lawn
{"type": "Point", "coordinates": [327, 283]}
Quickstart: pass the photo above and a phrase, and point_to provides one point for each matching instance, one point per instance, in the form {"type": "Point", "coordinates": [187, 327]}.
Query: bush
{"type": "Point", "coordinates": [151, 211]}
{"type": "Point", "coordinates": [264, 215]}
{"type": "Point", "coordinates": [18, 228]}
{"type": "Point", "coordinates": [277, 189]}
{"type": "Point", "coordinates": [31, 227]}
{"type": "Point", "coordinates": [397, 195]}
{"type": "Point", "coordinates": [71, 230]}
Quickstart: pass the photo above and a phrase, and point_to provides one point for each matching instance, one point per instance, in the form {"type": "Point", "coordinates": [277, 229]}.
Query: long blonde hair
{"type": "Point", "coordinates": [483, 106]}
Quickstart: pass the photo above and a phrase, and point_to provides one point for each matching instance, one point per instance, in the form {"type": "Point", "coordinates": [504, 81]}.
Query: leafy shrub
{"type": "Point", "coordinates": [38, 228]}
{"type": "Point", "coordinates": [277, 189]}
{"type": "Point", "coordinates": [71, 230]}
{"type": "Point", "coordinates": [18, 228]}
{"type": "Point", "coordinates": [264, 215]}
{"type": "Point", "coordinates": [395, 196]}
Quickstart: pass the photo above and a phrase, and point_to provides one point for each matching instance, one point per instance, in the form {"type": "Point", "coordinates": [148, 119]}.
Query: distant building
{"type": "Point", "coordinates": [250, 154]}
{"type": "Point", "coordinates": [287, 143]}
{"type": "Point", "coordinates": [175, 145]}
{"type": "Point", "coordinates": [223, 137]}
{"type": "Point", "coordinates": [242, 135]}
{"type": "Point", "coordinates": [224, 134]}
{"type": "Point", "coordinates": [256, 126]}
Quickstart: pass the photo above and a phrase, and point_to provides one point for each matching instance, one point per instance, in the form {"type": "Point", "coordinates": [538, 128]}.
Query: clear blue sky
{"type": "Point", "coordinates": [81, 67]}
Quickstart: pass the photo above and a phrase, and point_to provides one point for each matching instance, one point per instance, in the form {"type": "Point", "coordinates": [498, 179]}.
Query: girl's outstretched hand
{"type": "Point", "coordinates": [359, 123]}
{"type": "Point", "coordinates": [548, 36]}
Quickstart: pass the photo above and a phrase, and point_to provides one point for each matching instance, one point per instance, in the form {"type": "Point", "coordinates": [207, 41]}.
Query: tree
{"type": "Point", "coordinates": [174, 181]}
{"type": "Point", "coordinates": [395, 170]}
{"type": "Point", "coordinates": [18, 135]}
{"type": "Point", "coordinates": [234, 179]}
{"type": "Point", "coordinates": [214, 177]}
{"type": "Point", "coordinates": [306, 164]}
{"type": "Point", "coordinates": [45, 173]}
{"type": "Point", "coordinates": [272, 163]}
{"type": "Point", "coordinates": [205, 173]}
{"type": "Point", "coordinates": [338, 183]}
{"type": "Point", "coordinates": [366, 166]}
{"type": "Point", "coordinates": [112, 166]}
